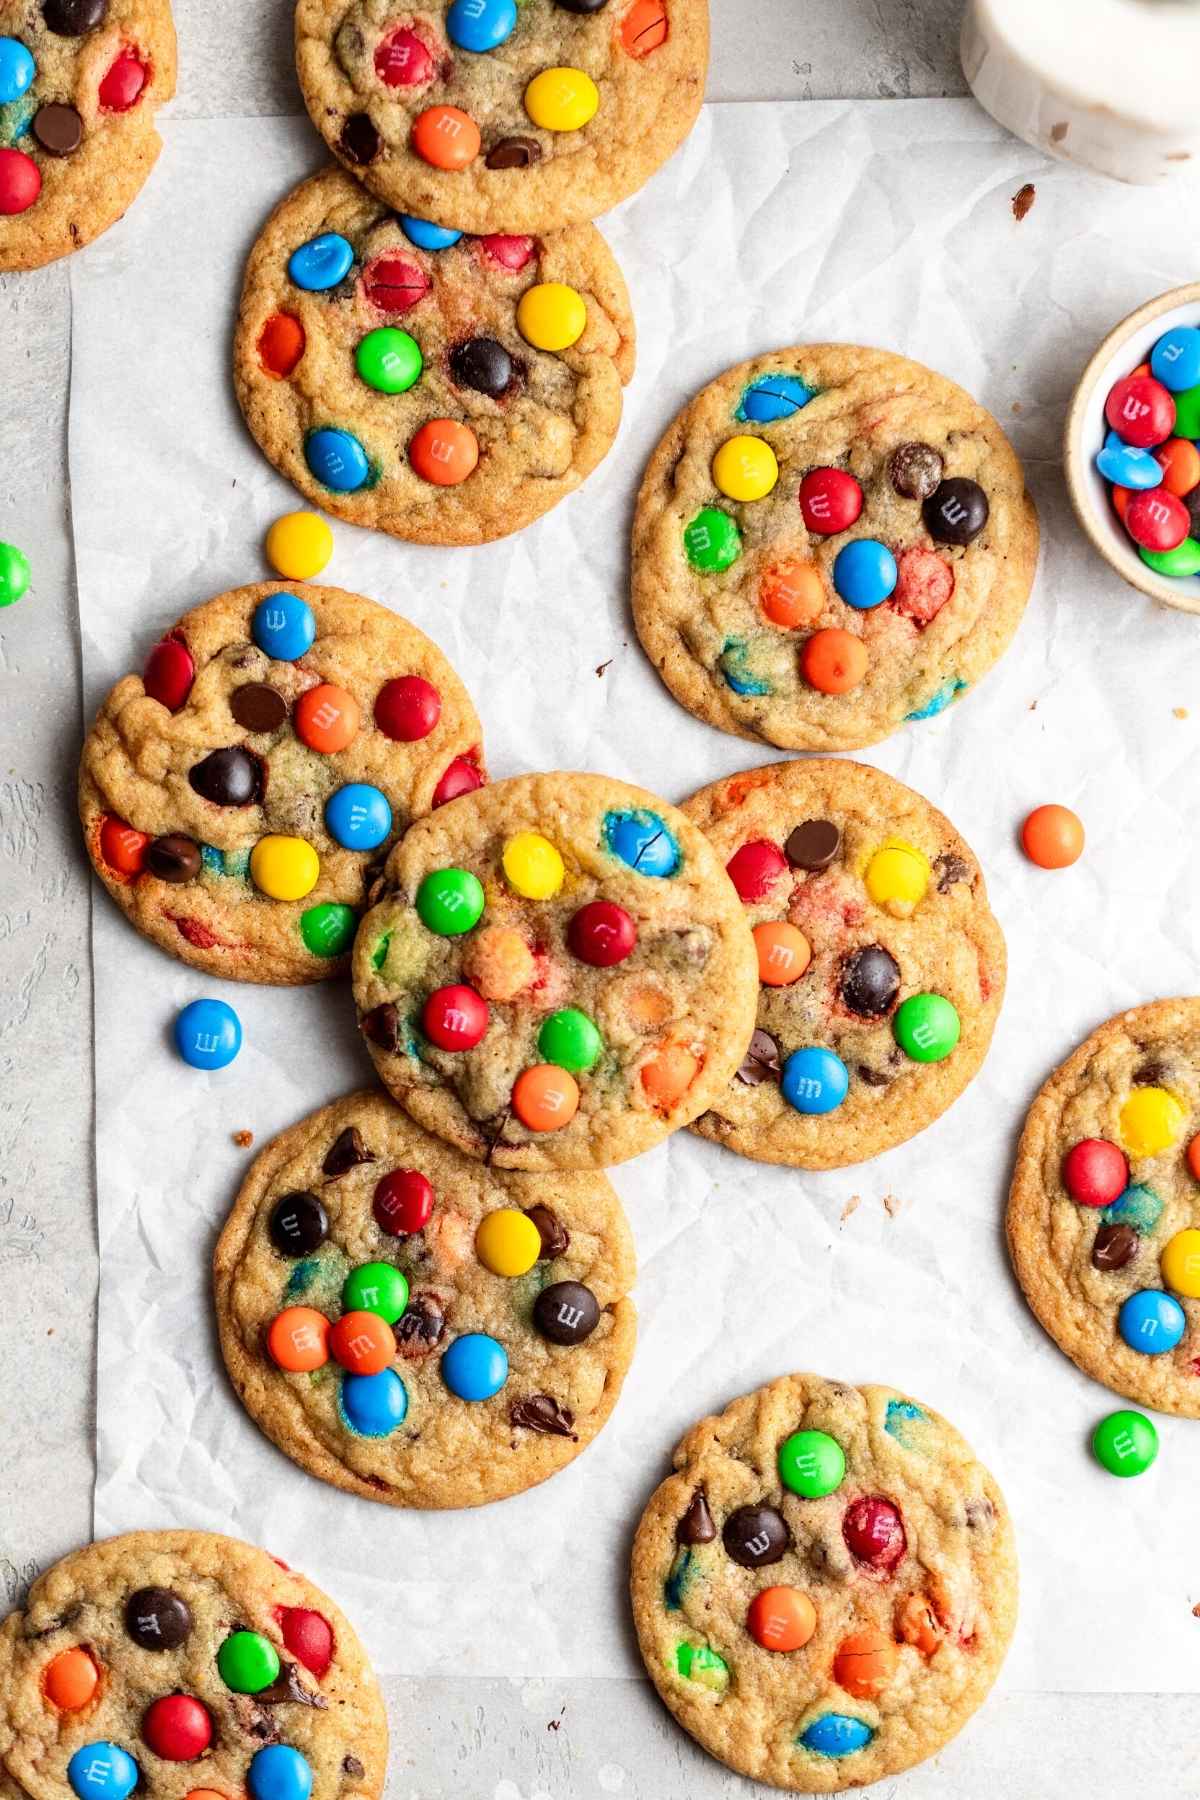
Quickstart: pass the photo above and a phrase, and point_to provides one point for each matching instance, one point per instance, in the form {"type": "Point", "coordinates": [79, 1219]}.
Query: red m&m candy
{"type": "Point", "coordinates": [1140, 411]}
{"type": "Point", "coordinates": [460, 777]}
{"type": "Point", "coordinates": [177, 1728]}
{"type": "Point", "coordinates": [830, 501]}
{"type": "Point", "coordinates": [454, 1018]}
{"type": "Point", "coordinates": [874, 1532]}
{"type": "Point", "coordinates": [281, 345]}
{"type": "Point", "coordinates": [403, 59]}
{"type": "Point", "coordinates": [601, 934]}
{"type": "Point", "coordinates": [407, 709]}
{"type": "Point", "coordinates": [394, 285]}
{"type": "Point", "coordinates": [755, 867]}
{"type": "Point", "coordinates": [512, 253]}
{"type": "Point", "coordinates": [122, 86]}
{"type": "Point", "coordinates": [20, 181]}
{"type": "Point", "coordinates": [309, 1637]}
{"type": "Point", "coordinates": [169, 673]}
{"type": "Point", "coordinates": [1095, 1172]}
{"type": "Point", "coordinates": [403, 1202]}
{"type": "Point", "coordinates": [1156, 519]}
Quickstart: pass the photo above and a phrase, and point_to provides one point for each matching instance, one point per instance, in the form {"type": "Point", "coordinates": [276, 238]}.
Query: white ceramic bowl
{"type": "Point", "coordinates": [1127, 345]}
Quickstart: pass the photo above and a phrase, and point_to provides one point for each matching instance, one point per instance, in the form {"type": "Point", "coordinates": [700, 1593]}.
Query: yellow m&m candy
{"type": "Point", "coordinates": [562, 99]}
{"type": "Point", "coordinates": [551, 316]}
{"type": "Point", "coordinates": [508, 1242]}
{"type": "Point", "coordinates": [299, 545]}
{"type": "Point", "coordinates": [1151, 1121]}
{"type": "Point", "coordinates": [745, 468]}
{"type": "Point", "coordinates": [897, 877]}
{"type": "Point", "coordinates": [1180, 1263]}
{"type": "Point", "coordinates": [284, 868]}
{"type": "Point", "coordinates": [533, 866]}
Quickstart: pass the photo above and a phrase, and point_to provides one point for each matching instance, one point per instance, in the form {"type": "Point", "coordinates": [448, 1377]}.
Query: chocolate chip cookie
{"type": "Point", "coordinates": [556, 973]}
{"type": "Point", "coordinates": [445, 389]}
{"type": "Point", "coordinates": [239, 795]}
{"type": "Point", "coordinates": [881, 966]}
{"type": "Point", "coordinates": [829, 540]}
{"type": "Point", "coordinates": [180, 1663]}
{"type": "Point", "coordinates": [414, 1326]}
{"type": "Point", "coordinates": [80, 83]}
{"type": "Point", "coordinates": [1104, 1211]}
{"type": "Point", "coordinates": [825, 1588]}
{"type": "Point", "coordinates": [487, 115]}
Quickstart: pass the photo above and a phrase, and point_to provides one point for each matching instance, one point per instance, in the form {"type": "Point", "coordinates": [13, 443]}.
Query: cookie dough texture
{"type": "Point", "coordinates": [448, 1452]}
{"type": "Point", "coordinates": [868, 403]}
{"type": "Point", "coordinates": [950, 944]}
{"type": "Point", "coordinates": [226, 1585]}
{"type": "Point", "coordinates": [84, 193]}
{"type": "Point", "coordinates": [138, 755]}
{"type": "Point", "coordinates": [1050, 1237]}
{"type": "Point", "coordinates": [648, 104]}
{"type": "Point", "coordinates": [689, 983]}
{"type": "Point", "coordinates": [537, 441]}
{"type": "Point", "coordinates": [959, 1558]}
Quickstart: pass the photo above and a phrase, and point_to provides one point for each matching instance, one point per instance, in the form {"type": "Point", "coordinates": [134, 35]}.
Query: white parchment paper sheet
{"type": "Point", "coordinates": [887, 224]}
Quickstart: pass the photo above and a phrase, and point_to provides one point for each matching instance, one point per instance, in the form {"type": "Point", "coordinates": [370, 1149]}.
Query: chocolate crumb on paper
{"type": "Point", "coordinates": [1022, 200]}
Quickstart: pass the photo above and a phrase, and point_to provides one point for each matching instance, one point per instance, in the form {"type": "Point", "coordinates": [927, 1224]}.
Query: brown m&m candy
{"type": "Point", "coordinates": [258, 707]}
{"type": "Point", "coordinates": [174, 858]}
{"type": "Point", "coordinates": [74, 18]}
{"type": "Point", "coordinates": [299, 1224]}
{"type": "Point", "coordinates": [566, 1312]}
{"type": "Point", "coordinates": [813, 845]}
{"type": "Point", "coordinates": [870, 981]}
{"type": "Point", "coordinates": [157, 1618]}
{"type": "Point", "coordinates": [755, 1535]}
{"type": "Point", "coordinates": [956, 512]}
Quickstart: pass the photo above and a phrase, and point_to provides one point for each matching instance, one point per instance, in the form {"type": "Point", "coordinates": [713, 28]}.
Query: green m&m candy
{"type": "Point", "coordinates": [1187, 413]}
{"type": "Point", "coordinates": [926, 1027]}
{"type": "Point", "coordinates": [811, 1463]}
{"type": "Point", "coordinates": [388, 360]}
{"type": "Point", "coordinates": [712, 540]}
{"type": "Point", "coordinates": [696, 1662]}
{"type": "Point", "coordinates": [328, 930]}
{"type": "Point", "coordinates": [247, 1662]}
{"type": "Point", "coordinates": [1183, 560]}
{"type": "Point", "coordinates": [14, 574]}
{"type": "Point", "coordinates": [569, 1039]}
{"type": "Point", "coordinates": [376, 1287]}
{"type": "Point", "coordinates": [1125, 1443]}
{"type": "Point", "coordinates": [450, 901]}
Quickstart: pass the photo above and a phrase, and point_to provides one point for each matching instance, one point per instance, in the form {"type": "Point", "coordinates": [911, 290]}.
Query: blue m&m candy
{"type": "Point", "coordinates": [1127, 466]}
{"type": "Point", "coordinates": [481, 25]}
{"type": "Point", "coordinates": [284, 626]}
{"type": "Point", "coordinates": [864, 573]}
{"type": "Point", "coordinates": [814, 1080]}
{"type": "Point", "coordinates": [836, 1734]}
{"type": "Point", "coordinates": [358, 816]}
{"type": "Point", "coordinates": [426, 235]}
{"type": "Point", "coordinates": [337, 459]}
{"type": "Point", "coordinates": [642, 841]}
{"type": "Point", "coordinates": [279, 1773]}
{"type": "Point", "coordinates": [17, 69]}
{"type": "Point", "coordinates": [774, 397]}
{"type": "Point", "coordinates": [1175, 359]}
{"type": "Point", "coordinates": [374, 1405]}
{"type": "Point", "coordinates": [321, 263]}
{"type": "Point", "coordinates": [102, 1771]}
{"type": "Point", "coordinates": [1151, 1321]}
{"type": "Point", "coordinates": [208, 1034]}
{"type": "Point", "coordinates": [475, 1366]}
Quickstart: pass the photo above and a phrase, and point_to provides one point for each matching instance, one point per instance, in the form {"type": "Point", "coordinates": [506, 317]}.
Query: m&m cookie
{"type": "Point", "coordinates": [825, 1588]}
{"type": "Point", "coordinates": [556, 973]}
{"type": "Point", "coordinates": [489, 115]}
{"type": "Point", "coordinates": [80, 83]}
{"type": "Point", "coordinates": [1104, 1210]}
{"type": "Point", "coordinates": [178, 1665]}
{"type": "Point", "coordinates": [239, 796]}
{"type": "Point", "coordinates": [880, 964]}
{"type": "Point", "coordinates": [829, 541]}
{"type": "Point", "coordinates": [443, 388]}
{"type": "Point", "coordinates": [415, 1326]}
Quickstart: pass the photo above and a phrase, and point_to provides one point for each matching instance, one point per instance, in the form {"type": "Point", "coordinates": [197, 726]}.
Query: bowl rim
{"type": "Point", "coordinates": [1155, 587]}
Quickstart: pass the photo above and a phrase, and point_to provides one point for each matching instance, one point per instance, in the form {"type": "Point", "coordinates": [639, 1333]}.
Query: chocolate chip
{"type": "Point", "coordinates": [287, 1685]}
{"type": "Point", "coordinates": [581, 6]}
{"type": "Point", "coordinates": [872, 1077]}
{"type": "Point", "coordinates": [298, 1225]}
{"type": "Point", "coordinates": [174, 858]}
{"type": "Point", "coordinates": [72, 18]}
{"type": "Point", "coordinates": [761, 1061]}
{"type": "Point", "coordinates": [538, 1412]}
{"type": "Point", "coordinates": [1113, 1247]}
{"type": "Point", "coordinates": [382, 1026]}
{"type": "Point", "coordinates": [253, 1720]}
{"type": "Point", "coordinates": [981, 1514]}
{"type": "Point", "coordinates": [352, 1766]}
{"type": "Point", "coordinates": [360, 142]}
{"type": "Point", "coordinates": [566, 1312]}
{"type": "Point", "coordinates": [956, 511]}
{"type": "Point", "coordinates": [950, 868]}
{"type": "Point", "coordinates": [870, 981]}
{"type": "Point", "coordinates": [755, 1535]}
{"type": "Point", "coordinates": [258, 707]}
{"type": "Point", "coordinates": [58, 129]}
{"type": "Point", "coordinates": [230, 777]}
{"type": "Point", "coordinates": [696, 1525]}
{"type": "Point", "coordinates": [483, 364]}
{"type": "Point", "coordinates": [914, 470]}
{"type": "Point", "coordinates": [419, 1328]}
{"type": "Point", "coordinates": [553, 1233]}
{"type": "Point", "coordinates": [814, 844]}
{"type": "Point", "coordinates": [514, 153]}
{"type": "Point", "coordinates": [157, 1619]}
{"type": "Point", "coordinates": [346, 1152]}
{"type": "Point", "coordinates": [1151, 1073]}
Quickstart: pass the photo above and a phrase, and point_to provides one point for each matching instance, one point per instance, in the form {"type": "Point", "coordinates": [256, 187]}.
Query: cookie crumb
{"type": "Point", "coordinates": [1196, 1610]}
{"type": "Point", "coordinates": [1180, 712]}
{"type": "Point", "coordinates": [891, 1205]}
{"type": "Point", "coordinates": [1058, 132]}
{"type": "Point", "coordinates": [243, 1139]}
{"type": "Point", "coordinates": [1022, 200]}
{"type": "Point", "coordinates": [1033, 706]}
{"type": "Point", "coordinates": [600, 667]}
{"type": "Point", "coordinates": [852, 1205]}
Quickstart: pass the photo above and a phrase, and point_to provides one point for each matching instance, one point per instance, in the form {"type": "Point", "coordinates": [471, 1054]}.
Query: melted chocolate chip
{"type": "Point", "coordinates": [258, 707]}
{"type": "Point", "coordinates": [981, 1514]}
{"type": "Point", "coordinates": [483, 364]}
{"type": "Point", "coordinates": [813, 845]}
{"type": "Point", "coordinates": [914, 470]}
{"type": "Point", "coordinates": [755, 1536]}
{"type": "Point", "coordinates": [157, 1619]}
{"type": "Point", "coordinates": [360, 142]}
{"type": "Point", "coordinates": [870, 981]}
{"type": "Point", "coordinates": [253, 1720]}
{"type": "Point", "coordinates": [352, 1766]}
{"type": "Point", "coordinates": [230, 777]}
{"type": "Point", "coordinates": [950, 868]}
{"type": "Point", "coordinates": [1151, 1073]}
{"type": "Point", "coordinates": [346, 1152]}
{"type": "Point", "coordinates": [566, 1312]}
{"type": "Point", "coordinates": [550, 1228]}
{"type": "Point", "coordinates": [872, 1077]}
{"type": "Point", "coordinates": [298, 1224]}
{"type": "Point", "coordinates": [287, 1685]}
{"type": "Point", "coordinates": [956, 512]}
{"type": "Point", "coordinates": [696, 1525]}
{"type": "Point", "coordinates": [174, 858]}
{"type": "Point", "coordinates": [761, 1061]}
{"type": "Point", "coordinates": [514, 153]}
{"type": "Point", "coordinates": [538, 1412]}
{"type": "Point", "coordinates": [419, 1328]}
{"type": "Point", "coordinates": [74, 18]}
{"type": "Point", "coordinates": [1113, 1247]}
{"type": "Point", "coordinates": [58, 129]}
{"type": "Point", "coordinates": [382, 1026]}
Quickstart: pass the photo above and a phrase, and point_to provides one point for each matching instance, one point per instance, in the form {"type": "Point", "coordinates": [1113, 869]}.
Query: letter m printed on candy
{"type": "Point", "coordinates": [569, 1315]}
{"type": "Point", "coordinates": [305, 1338]}
{"type": "Point", "coordinates": [206, 1043]}
{"type": "Point", "coordinates": [759, 1544]}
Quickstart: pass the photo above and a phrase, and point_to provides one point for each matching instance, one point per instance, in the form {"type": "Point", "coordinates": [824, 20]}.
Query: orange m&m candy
{"type": "Point", "coordinates": [783, 953]}
{"type": "Point", "coordinates": [70, 1680]}
{"type": "Point", "coordinates": [545, 1098]}
{"type": "Point", "coordinates": [833, 661]}
{"type": "Point", "coordinates": [1120, 498]}
{"type": "Point", "coordinates": [791, 593]}
{"type": "Point", "coordinates": [1180, 462]}
{"type": "Point", "coordinates": [362, 1342]}
{"type": "Point", "coordinates": [917, 1624]}
{"type": "Point", "coordinates": [209, 1793]}
{"type": "Point", "coordinates": [281, 345]}
{"type": "Point", "coordinates": [444, 451]}
{"type": "Point", "coordinates": [122, 848]}
{"type": "Point", "coordinates": [781, 1618]}
{"type": "Point", "coordinates": [326, 718]}
{"type": "Point", "coordinates": [1193, 1157]}
{"type": "Point", "coordinates": [865, 1663]}
{"type": "Point", "coordinates": [446, 137]}
{"type": "Point", "coordinates": [669, 1074]}
{"type": "Point", "coordinates": [499, 963]}
{"type": "Point", "coordinates": [1052, 837]}
{"type": "Point", "coordinates": [298, 1339]}
{"type": "Point", "coordinates": [644, 27]}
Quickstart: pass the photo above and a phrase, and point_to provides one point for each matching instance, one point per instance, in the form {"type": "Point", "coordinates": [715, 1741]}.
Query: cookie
{"type": "Point", "coordinates": [881, 966]}
{"type": "Point", "coordinates": [414, 1326]}
{"type": "Point", "coordinates": [829, 540]}
{"type": "Point", "coordinates": [1104, 1210]}
{"type": "Point", "coordinates": [446, 389]}
{"type": "Point", "coordinates": [486, 115]}
{"type": "Point", "coordinates": [825, 1588]}
{"type": "Point", "coordinates": [80, 83]}
{"type": "Point", "coordinates": [239, 795]}
{"type": "Point", "coordinates": [185, 1664]}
